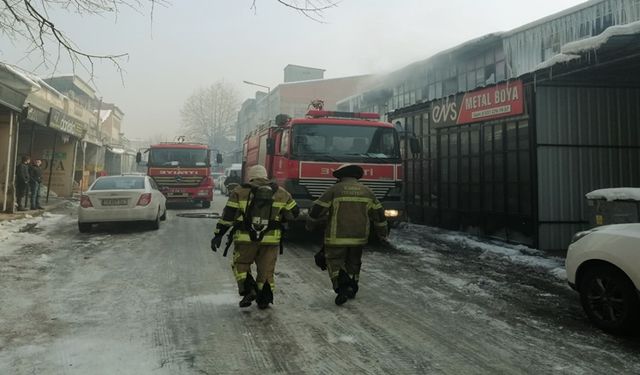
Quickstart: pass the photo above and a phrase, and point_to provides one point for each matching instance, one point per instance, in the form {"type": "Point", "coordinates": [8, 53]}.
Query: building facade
{"type": "Point", "coordinates": [513, 160]}
{"type": "Point", "coordinates": [57, 121]}
{"type": "Point", "coordinates": [491, 58]}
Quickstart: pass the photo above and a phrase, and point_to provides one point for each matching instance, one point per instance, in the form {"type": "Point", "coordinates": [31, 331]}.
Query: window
{"type": "Point", "coordinates": [344, 141]}
{"type": "Point", "coordinates": [284, 143]}
{"type": "Point", "coordinates": [450, 86]}
{"type": "Point", "coordinates": [119, 183]}
{"type": "Point", "coordinates": [178, 157]}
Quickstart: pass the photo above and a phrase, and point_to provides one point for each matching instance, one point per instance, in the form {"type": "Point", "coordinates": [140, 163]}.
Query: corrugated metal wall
{"type": "Point", "coordinates": [588, 138]}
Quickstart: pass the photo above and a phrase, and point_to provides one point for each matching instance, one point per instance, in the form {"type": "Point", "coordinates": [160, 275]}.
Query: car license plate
{"type": "Point", "coordinates": [115, 202]}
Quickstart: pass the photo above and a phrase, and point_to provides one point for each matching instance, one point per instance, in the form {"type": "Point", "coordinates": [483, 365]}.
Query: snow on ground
{"type": "Point", "coordinates": [28, 231]}
{"type": "Point", "coordinates": [416, 239]}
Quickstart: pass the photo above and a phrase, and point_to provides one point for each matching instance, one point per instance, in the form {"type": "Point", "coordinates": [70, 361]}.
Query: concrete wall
{"type": "Point", "coordinates": [7, 159]}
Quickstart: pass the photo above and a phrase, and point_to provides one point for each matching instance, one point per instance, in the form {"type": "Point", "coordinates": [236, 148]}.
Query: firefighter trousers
{"type": "Point", "coordinates": [348, 259]}
{"type": "Point", "coordinates": [264, 256]}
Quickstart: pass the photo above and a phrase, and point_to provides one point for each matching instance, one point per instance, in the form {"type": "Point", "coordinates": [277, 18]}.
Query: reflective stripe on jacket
{"type": "Point", "coordinates": [284, 207]}
{"type": "Point", "coordinates": [349, 207]}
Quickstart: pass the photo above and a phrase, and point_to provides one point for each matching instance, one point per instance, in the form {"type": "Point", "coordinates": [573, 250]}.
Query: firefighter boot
{"type": "Point", "coordinates": [265, 296]}
{"type": "Point", "coordinates": [354, 288]}
{"type": "Point", "coordinates": [344, 288]}
{"type": "Point", "coordinates": [249, 292]}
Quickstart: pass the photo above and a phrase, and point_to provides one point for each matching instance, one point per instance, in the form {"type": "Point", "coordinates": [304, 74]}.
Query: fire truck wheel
{"type": "Point", "coordinates": [206, 204]}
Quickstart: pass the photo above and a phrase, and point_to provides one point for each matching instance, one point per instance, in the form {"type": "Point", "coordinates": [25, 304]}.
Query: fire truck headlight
{"type": "Point", "coordinates": [203, 192]}
{"type": "Point", "coordinates": [391, 213]}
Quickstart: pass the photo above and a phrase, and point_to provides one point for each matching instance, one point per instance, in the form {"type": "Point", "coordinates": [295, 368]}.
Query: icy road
{"type": "Point", "coordinates": [132, 301]}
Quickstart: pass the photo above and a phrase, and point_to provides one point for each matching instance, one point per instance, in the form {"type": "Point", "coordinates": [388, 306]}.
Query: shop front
{"type": "Point", "coordinates": [514, 161]}
{"type": "Point", "coordinates": [14, 90]}
{"type": "Point", "coordinates": [59, 153]}
{"type": "Point", "coordinates": [474, 173]}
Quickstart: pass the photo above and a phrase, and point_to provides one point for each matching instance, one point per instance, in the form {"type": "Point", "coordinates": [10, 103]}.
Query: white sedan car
{"type": "Point", "coordinates": [603, 265]}
{"type": "Point", "coordinates": [122, 198]}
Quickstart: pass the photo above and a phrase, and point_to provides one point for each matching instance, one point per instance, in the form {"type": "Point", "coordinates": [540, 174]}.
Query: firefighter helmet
{"type": "Point", "coordinates": [349, 170]}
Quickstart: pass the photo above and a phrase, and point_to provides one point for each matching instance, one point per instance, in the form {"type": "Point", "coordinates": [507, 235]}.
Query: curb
{"type": "Point", "coordinates": [32, 213]}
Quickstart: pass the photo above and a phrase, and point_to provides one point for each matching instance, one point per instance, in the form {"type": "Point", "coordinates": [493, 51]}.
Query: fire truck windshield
{"type": "Point", "coordinates": [344, 142]}
{"type": "Point", "coordinates": [178, 157]}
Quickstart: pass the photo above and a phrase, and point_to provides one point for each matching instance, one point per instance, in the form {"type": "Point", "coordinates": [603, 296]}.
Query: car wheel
{"type": "Point", "coordinates": [206, 204]}
{"type": "Point", "coordinates": [609, 299]}
{"type": "Point", "coordinates": [155, 225]}
{"type": "Point", "coordinates": [164, 215]}
{"type": "Point", "coordinates": [84, 227]}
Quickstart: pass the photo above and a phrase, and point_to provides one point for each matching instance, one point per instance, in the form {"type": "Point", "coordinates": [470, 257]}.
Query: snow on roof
{"type": "Point", "coordinates": [572, 50]}
{"type": "Point", "coordinates": [104, 114]}
{"type": "Point", "coordinates": [24, 76]}
{"type": "Point", "coordinates": [597, 41]}
{"type": "Point", "coordinates": [37, 82]}
{"type": "Point", "coordinates": [616, 194]}
{"type": "Point", "coordinates": [560, 58]}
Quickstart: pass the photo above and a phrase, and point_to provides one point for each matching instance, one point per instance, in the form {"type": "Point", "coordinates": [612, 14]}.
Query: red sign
{"type": "Point", "coordinates": [324, 171]}
{"type": "Point", "coordinates": [503, 100]}
{"type": "Point", "coordinates": [499, 101]}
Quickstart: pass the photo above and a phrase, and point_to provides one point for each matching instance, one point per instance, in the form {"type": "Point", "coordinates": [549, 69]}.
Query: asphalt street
{"type": "Point", "coordinates": [125, 299]}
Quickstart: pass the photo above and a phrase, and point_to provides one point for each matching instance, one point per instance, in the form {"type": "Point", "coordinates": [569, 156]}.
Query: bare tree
{"type": "Point", "coordinates": [30, 21]}
{"type": "Point", "coordinates": [313, 9]}
{"type": "Point", "coordinates": [209, 114]}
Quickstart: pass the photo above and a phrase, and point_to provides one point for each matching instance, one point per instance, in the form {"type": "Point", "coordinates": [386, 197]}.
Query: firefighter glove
{"type": "Point", "coordinates": [321, 260]}
{"type": "Point", "coordinates": [216, 242]}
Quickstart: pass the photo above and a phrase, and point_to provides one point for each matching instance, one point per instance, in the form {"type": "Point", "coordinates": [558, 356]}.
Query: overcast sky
{"type": "Point", "coordinates": [194, 43]}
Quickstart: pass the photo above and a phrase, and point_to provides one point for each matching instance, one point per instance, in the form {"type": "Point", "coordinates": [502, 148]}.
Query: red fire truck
{"type": "Point", "coordinates": [181, 170]}
{"type": "Point", "coordinates": [301, 154]}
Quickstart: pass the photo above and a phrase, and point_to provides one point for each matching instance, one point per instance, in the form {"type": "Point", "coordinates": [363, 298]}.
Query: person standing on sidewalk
{"type": "Point", "coordinates": [22, 180]}
{"type": "Point", "coordinates": [348, 208]}
{"type": "Point", "coordinates": [255, 213]}
{"type": "Point", "coordinates": [35, 173]}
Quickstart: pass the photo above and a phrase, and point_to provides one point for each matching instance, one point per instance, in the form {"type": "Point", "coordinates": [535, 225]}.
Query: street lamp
{"type": "Point", "coordinates": [259, 85]}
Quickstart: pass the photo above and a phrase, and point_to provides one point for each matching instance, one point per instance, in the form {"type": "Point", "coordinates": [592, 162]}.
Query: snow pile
{"type": "Point", "coordinates": [616, 194]}
{"type": "Point", "coordinates": [413, 238]}
{"type": "Point", "coordinates": [15, 234]}
{"type": "Point", "coordinates": [597, 41]}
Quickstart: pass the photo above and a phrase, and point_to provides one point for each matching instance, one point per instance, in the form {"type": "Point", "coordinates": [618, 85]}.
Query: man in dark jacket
{"type": "Point", "coordinates": [35, 173]}
{"type": "Point", "coordinates": [22, 179]}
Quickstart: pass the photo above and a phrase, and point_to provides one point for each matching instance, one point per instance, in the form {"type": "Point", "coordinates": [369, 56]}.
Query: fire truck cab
{"type": "Point", "coordinates": [300, 154]}
{"type": "Point", "coordinates": [181, 170]}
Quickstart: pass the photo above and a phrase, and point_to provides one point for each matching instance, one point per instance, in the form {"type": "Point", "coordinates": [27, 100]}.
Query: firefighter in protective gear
{"type": "Point", "coordinates": [256, 212]}
{"type": "Point", "coordinates": [348, 207]}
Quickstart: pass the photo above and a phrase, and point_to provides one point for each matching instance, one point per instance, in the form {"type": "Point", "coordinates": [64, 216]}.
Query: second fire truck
{"type": "Point", "coordinates": [301, 154]}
